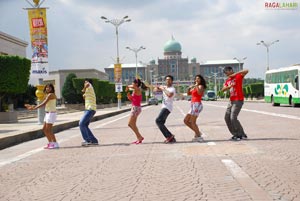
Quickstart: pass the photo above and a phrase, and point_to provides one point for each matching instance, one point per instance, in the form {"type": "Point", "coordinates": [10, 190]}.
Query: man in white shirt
{"type": "Point", "coordinates": [167, 106]}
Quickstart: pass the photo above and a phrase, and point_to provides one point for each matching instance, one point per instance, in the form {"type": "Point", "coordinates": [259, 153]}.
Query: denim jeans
{"type": "Point", "coordinates": [84, 122]}
{"type": "Point", "coordinates": [161, 120]}
{"type": "Point", "coordinates": [233, 124]}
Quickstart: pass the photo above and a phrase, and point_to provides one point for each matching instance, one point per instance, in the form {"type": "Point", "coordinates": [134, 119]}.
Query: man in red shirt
{"type": "Point", "coordinates": [234, 84]}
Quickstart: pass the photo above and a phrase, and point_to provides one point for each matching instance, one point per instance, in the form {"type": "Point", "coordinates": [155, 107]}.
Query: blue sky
{"type": "Point", "coordinates": [207, 30]}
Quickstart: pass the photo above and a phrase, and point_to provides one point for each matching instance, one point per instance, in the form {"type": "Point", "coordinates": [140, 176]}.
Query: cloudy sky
{"type": "Point", "coordinates": [207, 30]}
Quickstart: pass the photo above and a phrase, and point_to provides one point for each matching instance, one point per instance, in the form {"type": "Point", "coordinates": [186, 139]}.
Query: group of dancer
{"type": "Point", "coordinates": [233, 84]}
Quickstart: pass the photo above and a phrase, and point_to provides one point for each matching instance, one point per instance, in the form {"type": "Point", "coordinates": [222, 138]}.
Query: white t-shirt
{"type": "Point", "coordinates": [167, 102]}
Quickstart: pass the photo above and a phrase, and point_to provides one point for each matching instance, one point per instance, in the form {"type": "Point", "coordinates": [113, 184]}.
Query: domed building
{"type": "Point", "coordinates": [174, 64]}
{"type": "Point", "coordinates": [171, 64]}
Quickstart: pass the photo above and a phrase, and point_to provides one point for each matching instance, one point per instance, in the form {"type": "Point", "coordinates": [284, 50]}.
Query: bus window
{"type": "Point", "coordinates": [297, 82]}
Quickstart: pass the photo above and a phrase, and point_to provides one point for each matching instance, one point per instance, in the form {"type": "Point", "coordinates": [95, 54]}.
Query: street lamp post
{"type": "Point", "coordinates": [151, 71]}
{"type": "Point", "coordinates": [267, 45]}
{"type": "Point", "coordinates": [136, 50]}
{"type": "Point", "coordinates": [117, 23]}
{"type": "Point", "coordinates": [177, 66]}
{"type": "Point", "coordinates": [240, 61]}
{"type": "Point", "coordinates": [215, 76]}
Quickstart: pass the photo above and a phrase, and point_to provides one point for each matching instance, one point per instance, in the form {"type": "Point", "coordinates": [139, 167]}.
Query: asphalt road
{"type": "Point", "coordinates": [264, 167]}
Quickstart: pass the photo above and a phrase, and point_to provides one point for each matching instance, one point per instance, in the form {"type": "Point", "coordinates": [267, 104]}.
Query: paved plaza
{"type": "Point", "coordinates": [265, 167]}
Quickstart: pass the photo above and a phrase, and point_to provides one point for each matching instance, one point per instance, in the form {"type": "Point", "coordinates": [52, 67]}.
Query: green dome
{"type": "Point", "coordinates": [193, 60]}
{"type": "Point", "coordinates": [172, 46]}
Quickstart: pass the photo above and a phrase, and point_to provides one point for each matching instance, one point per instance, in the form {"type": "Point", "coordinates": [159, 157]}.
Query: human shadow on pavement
{"type": "Point", "coordinates": [95, 146]}
{"type": "Point", "coordinates": [222, 140]}
{"type": "Point", "coordinates": [249, 139]}
{"type": "Point", "coordinates": [177, 142]}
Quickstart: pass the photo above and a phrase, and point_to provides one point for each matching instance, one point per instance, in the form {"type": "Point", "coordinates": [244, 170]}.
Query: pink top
{"type": "Point", "coordinates": [136, 100]}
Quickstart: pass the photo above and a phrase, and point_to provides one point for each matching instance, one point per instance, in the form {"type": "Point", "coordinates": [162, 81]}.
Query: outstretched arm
{"type": "Point", "coordinates": [34, 107]}
{"type": "Point", "coordinates": [242, 72]}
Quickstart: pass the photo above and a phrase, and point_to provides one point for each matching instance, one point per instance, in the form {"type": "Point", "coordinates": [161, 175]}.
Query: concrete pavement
{"type": "Point", "coordinates": [28, 128]}
{"type": "Point", "coordinates": [263, 168]}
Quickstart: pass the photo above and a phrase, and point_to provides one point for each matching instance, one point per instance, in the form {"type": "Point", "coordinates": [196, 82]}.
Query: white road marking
{"type": "Point", "coordinates": [263, 112]}
{"type": "Point", "coordinates": [181, 111]}
{"type": "Point", "coordinates": [246, 182]}
{"type": "Point", "coordinates": [30, 153]}
{"type": "Point", "coordinates": [211, 143]}
{"type": "Point", "coordinates": [34, 151]}
{"type": "Point", "coordinates": [114, 120]}
{"type": "Point", "coordinates": [109, 122]}
{"type": "Point", "coordinates": [235, 170]}
{"type": "Point", "coordinates": [20, 157]}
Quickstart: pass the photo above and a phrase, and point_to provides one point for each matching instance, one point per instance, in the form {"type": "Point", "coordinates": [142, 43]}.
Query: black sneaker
{"type": "Point", "coordinates": [93, 143]}
{"type": "Point", "coordinates": [85, 144]}
{"type": "Point", "coordinates": [244, 136]}
{"type": "Point", "coordinates": [235, 138]}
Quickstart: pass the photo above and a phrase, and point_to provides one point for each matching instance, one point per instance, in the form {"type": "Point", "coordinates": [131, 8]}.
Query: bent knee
{"type": "Point", "coordinates": [186, 122]}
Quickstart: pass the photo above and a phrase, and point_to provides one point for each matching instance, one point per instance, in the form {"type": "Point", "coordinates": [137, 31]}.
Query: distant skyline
{"type": "Point", "coordinates": [207, 30]}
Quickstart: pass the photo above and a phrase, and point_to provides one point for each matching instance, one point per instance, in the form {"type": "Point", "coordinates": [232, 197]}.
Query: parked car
{"type": "Point", "coordinates": [153, 101]}
{"type": "Point", "coordinates": [210, 95]}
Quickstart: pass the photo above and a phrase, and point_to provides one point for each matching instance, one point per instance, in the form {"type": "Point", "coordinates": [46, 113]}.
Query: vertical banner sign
{"type": "Point", "coordinates": [39, 42]}
{"type": "Point", "coordinates": [118, 77]}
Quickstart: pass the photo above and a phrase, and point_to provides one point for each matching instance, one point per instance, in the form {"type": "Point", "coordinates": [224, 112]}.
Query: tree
{"type": "Point", "coordinates": [69, 91]}
{"type": "Point", "coordinates": [14, 76]}
{"type": "Point", "coordinates": [27, 97]}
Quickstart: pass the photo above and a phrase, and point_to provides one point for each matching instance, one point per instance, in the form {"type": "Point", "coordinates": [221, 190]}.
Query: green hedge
{"type": "Point", "coordinates": [254, 90]}
{"type": "Point", "coordinates": [104, 90]}
{"type": "Point", "coordinates": [14, 76]}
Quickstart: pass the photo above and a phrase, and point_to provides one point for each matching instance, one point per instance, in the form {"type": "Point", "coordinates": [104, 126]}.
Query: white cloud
{"type": "Point", "coordinates": [215, 29]}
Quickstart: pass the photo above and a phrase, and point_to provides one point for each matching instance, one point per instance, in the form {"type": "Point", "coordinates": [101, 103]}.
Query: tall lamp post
{"type": "Point", "coordinates": [240, 61]}
{"type": "Point", "coordinates": [136, 50]}
{"type": "Point", "coordinates": [151, 71]}
{"type": "Point", "coordinates": [267, 45]}
{"type": "Point", "coordinates": [118, 78]}
{"type": "Point", "coordinates": [215, 86]}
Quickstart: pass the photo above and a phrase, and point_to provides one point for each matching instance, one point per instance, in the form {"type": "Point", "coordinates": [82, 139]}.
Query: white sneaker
{"type": "Point", "coordinates": [198, 139]}
{"type": "Point", "coordinates": [53, 145]}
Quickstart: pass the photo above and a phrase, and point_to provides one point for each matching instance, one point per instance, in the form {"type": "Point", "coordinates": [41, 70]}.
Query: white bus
{"type": "Point", "coordinates": [282, 86]}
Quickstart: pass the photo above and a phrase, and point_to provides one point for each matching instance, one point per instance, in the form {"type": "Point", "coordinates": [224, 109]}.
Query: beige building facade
{"type": "Point", "coordinates": [10, 45]}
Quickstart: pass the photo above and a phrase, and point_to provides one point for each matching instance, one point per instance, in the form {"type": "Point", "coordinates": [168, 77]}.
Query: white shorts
{"type": "Point", "coordinates": [196, 108]}
{"type": "Point", "coordinates": [50, 117]}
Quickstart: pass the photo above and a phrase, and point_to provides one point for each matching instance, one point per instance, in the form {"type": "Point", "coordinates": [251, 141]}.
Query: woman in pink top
{"type": "Point", "coordinates": [136, 99]}
{"type": "Point", "coordinates": [196, 91]}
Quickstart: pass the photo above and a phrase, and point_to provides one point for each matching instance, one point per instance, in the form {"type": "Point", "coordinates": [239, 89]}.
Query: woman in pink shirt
{"type": "Point", "coordinates": [136, 99]}
{"type": "Point", "coordinates": [196, 91]}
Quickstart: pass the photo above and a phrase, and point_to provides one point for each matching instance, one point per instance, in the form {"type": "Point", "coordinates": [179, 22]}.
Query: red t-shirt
{"type": "Point", "coordinates": [236, 91]}
{"type": "Point", "coordinates": [195, 96]}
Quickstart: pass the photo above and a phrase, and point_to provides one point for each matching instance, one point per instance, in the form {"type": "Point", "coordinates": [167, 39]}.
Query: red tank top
{"type": "Point", "coordinates": [195, 96]}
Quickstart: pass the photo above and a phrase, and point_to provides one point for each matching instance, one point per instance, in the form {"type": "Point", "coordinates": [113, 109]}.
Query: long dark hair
{"type": "Point", "coordinates": [51, 86]}
{"type": "Point", "coordinates": [140, 84]}
{"type": "Point", "coordinates": [202, 80]}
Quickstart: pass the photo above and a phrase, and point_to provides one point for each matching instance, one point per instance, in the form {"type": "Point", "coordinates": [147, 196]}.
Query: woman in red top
{"type": "Point", "coordinates": [196, 91]}
{"type": "Point", "coordinates": [136, 99]}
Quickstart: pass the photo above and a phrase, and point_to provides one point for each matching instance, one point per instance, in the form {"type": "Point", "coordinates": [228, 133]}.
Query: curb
{"type": "Point", "coordinates": [38, 133]}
